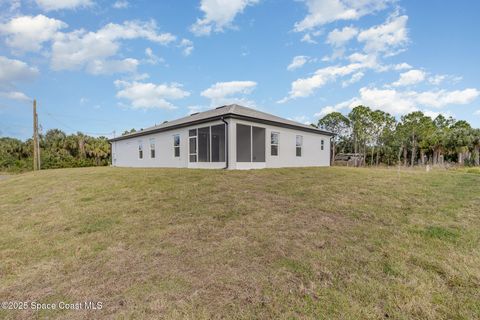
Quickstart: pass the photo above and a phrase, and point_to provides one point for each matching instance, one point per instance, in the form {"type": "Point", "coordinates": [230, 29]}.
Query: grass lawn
{"type": "Point", "coordinates": [306, 243]}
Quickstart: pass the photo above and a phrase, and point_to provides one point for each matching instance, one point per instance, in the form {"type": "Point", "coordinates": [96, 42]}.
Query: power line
{"type": "Point", "coordinates": [73, 129]}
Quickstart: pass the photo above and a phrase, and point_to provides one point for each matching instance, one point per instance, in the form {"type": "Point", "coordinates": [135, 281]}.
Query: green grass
{"type": "Point", "coordinates": [309, 243]}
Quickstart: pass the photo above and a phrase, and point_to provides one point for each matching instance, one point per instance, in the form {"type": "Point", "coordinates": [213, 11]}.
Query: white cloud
{"type": "Point", "coordinates": [402, 66]}
{"type": "Point", "coordinates": [187, 46]}
{"type": "Point", "coordinates": [121, 4]}
{"type": "Point", "coordinates": [149, 95]}
{"type": "Point", "coordinates": [338, 38]}
{"type": "Point", "coordinates": [9, 6]}
{"type": "Point", "coordinates": [401, 102]}
{"type": "Point", "coordinates": [196, 109]}
{"type": "Point", "coordinates": [337, 53]}
{"type": "Point", "coordinates": [222, 93]}
{"type": "Point", "coordinates": [321, 12]}
{"type": "Point", "coordinates": [218, 15]}
{"type": "Point", "coordinates": [325, 110]}
{"type": "Point", "coordinates": [302, 119]}
{"type": "Point", "coordinates": [410, 77]}
{"type": "Point", "coordinates": [223, 89]}
{"type": "Point", "coordinates": [434, 114]}
{"type": "Point", "coordinates": [15, 95]}
{"type": "Point", "coordinates": [477, 113]}
{"type": "Point", "coordinates": [440, 78]}
{"type": "Point", "coordinates": [49, 5]}
{"type": "Point", "coordinates": [139, 77]}
{"type": "Point", "coordinates": [355, 78]}
{"type": "Point", "coordinates": [336, 108]}
{"type": "Point", "coordinates": [441, 98]}
{"type": "Point", "coordinates": [297, 62]}
{"type": "Point", "coordinates": [80, 49]}
{"type": "Point", "coordinates": [151, 57]}
{"type": "Point", "coordinates": [308, 39]}
{"type": "Point", "coordinates": [437, 79]}
{"type": "Point", "coordinates": [97, 67]}
{"type": "Point", "coordinates": [28, 33]}
{"type": "Point", "coordinates": [12, 71]}
{"type": "Point", "coordinates": [305, 87]}
{"type": "Point", "coordinates": [387, 37]}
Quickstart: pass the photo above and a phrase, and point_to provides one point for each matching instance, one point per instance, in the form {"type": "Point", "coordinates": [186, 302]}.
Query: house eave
{"type": "Point", "coordinates": [215, 118]}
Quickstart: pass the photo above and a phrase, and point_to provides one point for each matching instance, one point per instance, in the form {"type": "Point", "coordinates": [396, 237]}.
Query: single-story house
{"type": "Point", "coordinates": [232, 136]}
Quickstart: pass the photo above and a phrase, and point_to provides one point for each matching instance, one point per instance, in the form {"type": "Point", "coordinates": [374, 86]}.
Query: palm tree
{"type": "Point", "coordinates": [460, 139]}
{"type": "Point", "coordinates": [98, 149]}
{"type": "Point", "coordinates": [338, 124]}
{"type": "Point", "coordinates": [476, 146]}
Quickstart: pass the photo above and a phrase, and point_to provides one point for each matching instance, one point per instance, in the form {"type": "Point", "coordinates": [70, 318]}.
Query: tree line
{"type": "Point", "coordinates": [376, 137]}
{"type": "Point", "coordinates": [58, 150]}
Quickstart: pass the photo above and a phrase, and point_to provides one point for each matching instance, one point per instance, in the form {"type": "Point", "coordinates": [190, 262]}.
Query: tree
{"type": "Point", "coordinates": [338, 124]}
{"type": "Point", "coordinates": [412, 123]}
{"type": "Point", "coordinates": [401, 139]}
{"type": "Point", "coordinates": [426, 130]}
{"type": "Point", "coordinates": [438, 138]}
{"type": "Point", "coordinates": [381, 126]}
{"type": "Point", "coordinates": [476, 146]}
{"type": "Point", "coordinates": [98, 148]}
{"type": "Point", "coordinates": [131, 131]}
{"type": "Point", "coordinates": [460, 138]}
{"type": "Point", "coordinates": [360, 121]}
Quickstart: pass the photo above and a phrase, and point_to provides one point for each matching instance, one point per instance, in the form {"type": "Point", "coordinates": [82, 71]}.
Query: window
{"type": "Point", "coordinates": [140, 149]}
{"type": "Point", "coordinates": [299, 144]}
{"type": "Point", "coordinates": [176, 145]}
{"type": "Point", "coordinates": [274, 143]}
{"type": "Point", "coordinates": [218, 143]}
{"type": "Point", "coordinates": [192, 142]}
{"type": "Point", "coordinates": [258, 144]}
{"type": "Point", "coordinates": [207, 144]}
{"type": "Point", "coordinates": [322, 144]}
{"type": "Point", "coordinates": [152, 148]}
{"type": "Point", "coordinates": [204, 144]}
{"type": "Point", "coordinates": [244, 143]}
{"type": "Point", "coordinates": [250, 144]}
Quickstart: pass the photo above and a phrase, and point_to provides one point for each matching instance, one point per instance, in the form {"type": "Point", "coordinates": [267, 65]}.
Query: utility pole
{"type": "Point", "coordinates": [35, 162]}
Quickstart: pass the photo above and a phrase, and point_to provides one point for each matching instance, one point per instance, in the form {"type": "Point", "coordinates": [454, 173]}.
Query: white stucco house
{"type": "Point", "coordinates": [230, 137]}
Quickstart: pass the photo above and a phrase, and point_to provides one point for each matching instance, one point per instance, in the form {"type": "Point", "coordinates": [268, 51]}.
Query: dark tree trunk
{"type": "Point", "coordinates": [371, 160]}
{"type": "Point", "coordinates": [477, 156]}
{"type": "Point", "coordinates": [378, 156]}
{"type": "Point", "coordinates": [414, 153]}
{"type": "Point", "coordinates": [355, 149]}
{"type": "Point", "coordinates": [364, 154]}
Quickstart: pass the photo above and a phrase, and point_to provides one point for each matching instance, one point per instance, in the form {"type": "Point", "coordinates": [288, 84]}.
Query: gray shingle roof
{"type": "Point", "coordinates": [233, 110]}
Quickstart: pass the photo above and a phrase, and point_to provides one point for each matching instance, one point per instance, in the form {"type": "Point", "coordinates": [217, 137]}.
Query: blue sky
{"type": "Point", "coordinates": [100, 66]}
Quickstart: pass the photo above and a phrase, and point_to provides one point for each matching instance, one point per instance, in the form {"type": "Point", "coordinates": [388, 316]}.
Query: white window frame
{"type": "Point", "coordinates": [152, 142]}
{"type": "Point", "coordinates": [176, 147]}
{"type": "Point", "coordinates": [297, 145]}
{"type": "Point", "coordinates": [196, 145]}
{"type": "Point", "coordinates": [275, 144]}
{"type": "Point", "coordinates": [140, 149]}
{"type": "Point", "coordinates": [210, 140]}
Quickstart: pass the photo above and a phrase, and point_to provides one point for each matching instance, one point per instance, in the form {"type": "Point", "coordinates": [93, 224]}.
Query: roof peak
{"type": "Point", "coordinates": [230, 110]}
